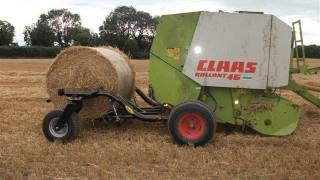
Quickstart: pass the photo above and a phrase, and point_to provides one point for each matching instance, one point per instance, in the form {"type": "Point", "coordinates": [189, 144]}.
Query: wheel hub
{"type": "Point", "coordinates": [56, 131]}
{"type": "Point", "coordinates": [191, 126]}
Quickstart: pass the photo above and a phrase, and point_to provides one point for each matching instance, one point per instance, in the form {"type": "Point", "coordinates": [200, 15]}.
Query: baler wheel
{"type": "Point", "coordinates": [192, 123]}
{"type": "Point", "coordinates": [67, 133]}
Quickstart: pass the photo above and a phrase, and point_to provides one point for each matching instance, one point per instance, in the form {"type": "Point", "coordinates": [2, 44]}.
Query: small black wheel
{"type": "Point", "coordinates": [70, 130]}
{"type": "Point", "coordinates": [192, 123]}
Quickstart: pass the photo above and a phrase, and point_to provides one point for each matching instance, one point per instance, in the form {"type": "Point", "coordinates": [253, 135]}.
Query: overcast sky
{"type": "Point", "coordinates": [26, 12]}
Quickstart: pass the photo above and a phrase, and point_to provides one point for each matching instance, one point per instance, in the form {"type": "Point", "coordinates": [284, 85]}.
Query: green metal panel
{"type": "Point", "coordinates": [268, 114]}
{"type": "Point", "coordinates": [174, 31]}
{"type": "Point", "coordinates": [220, 100]}
{"type": "Point", "coordinates": [169, 84]}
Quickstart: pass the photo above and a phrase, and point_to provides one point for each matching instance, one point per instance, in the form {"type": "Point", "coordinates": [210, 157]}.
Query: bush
{"type": "Point", "coordinates": [130, 47]}
{"type": "Point", "coordinates": [312, 51]}
{"type": "Point", "coordinates": [141, 55]}
{"type": "Point", "coordinates": [28, 52]}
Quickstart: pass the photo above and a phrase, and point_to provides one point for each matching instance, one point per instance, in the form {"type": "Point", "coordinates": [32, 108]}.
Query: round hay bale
{"type": "Point", "coordinates": [89, 68]}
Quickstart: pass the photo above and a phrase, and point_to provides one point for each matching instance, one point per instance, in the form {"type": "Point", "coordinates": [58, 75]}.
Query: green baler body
{"type": "Point", "coordinates": [261, 110]}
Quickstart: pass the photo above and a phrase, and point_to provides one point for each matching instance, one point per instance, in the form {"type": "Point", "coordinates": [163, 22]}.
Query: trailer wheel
{"type": "Point", "coordinates": [69, 132]}
{"type": "Point", "coordinates": [192, 123]}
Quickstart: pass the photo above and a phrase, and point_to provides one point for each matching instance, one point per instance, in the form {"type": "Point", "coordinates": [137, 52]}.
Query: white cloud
{"type": "Point", "coordinates": [21, 12]}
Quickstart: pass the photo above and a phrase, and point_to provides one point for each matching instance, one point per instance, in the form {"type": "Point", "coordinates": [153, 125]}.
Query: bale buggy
{"type": "Point", "coordinates": [208, 68]}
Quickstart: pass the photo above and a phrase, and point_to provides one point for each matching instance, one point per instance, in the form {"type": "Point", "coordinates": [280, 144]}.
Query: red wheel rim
{"type": "Point", "coordinates": [191, 126]}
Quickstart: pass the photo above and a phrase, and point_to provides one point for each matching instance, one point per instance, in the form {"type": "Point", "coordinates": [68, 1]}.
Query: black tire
{"type": "Point", "coordinates": [68, 133]}
{"type": "Point", "coordinates": [201, 123]}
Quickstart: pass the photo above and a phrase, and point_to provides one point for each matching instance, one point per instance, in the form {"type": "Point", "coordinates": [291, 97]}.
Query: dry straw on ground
{"type": "Point", "coordinates": [90, 69]}
{"type": "Point", "coordinates": [139, 150]}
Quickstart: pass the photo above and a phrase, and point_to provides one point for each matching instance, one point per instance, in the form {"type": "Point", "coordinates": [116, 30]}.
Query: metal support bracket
{"type": "Point", "coordinates": [303, 92]}
{"type": "Point", "coordinates": [71, 108]}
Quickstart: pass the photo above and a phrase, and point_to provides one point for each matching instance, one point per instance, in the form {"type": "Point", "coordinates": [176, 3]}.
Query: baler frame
{"type": "Point", "coordinates": [123, 108]}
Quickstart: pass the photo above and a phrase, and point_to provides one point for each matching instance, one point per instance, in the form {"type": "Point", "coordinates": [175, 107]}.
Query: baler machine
{"type": "Point", "coordinates": [209, 67]}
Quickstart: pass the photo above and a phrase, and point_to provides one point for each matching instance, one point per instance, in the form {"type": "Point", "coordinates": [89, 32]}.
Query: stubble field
{"type": "Point", "coordinates": [139, 150]}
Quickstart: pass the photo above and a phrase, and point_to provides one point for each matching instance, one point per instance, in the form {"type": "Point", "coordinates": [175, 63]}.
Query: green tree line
{"type": "Point", "coordinates": [126, 28]}
{"type": "Point", "coordinates": [311, 51]}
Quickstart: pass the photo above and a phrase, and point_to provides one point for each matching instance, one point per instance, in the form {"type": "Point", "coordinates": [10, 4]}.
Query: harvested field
{"type": "Point", "coordinates": [139, 150]}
